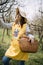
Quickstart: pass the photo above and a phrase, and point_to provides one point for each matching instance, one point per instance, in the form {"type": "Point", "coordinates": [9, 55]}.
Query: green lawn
{"type": "Point", "coordinates": [34, 59]}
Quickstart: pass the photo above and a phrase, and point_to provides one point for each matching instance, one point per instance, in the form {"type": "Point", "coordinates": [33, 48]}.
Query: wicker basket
{"type": "Point", "coordinates": [27, 46]}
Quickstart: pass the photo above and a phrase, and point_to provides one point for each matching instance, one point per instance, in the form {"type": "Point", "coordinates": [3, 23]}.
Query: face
{"type": "Point", "coordinates": [19, 17]}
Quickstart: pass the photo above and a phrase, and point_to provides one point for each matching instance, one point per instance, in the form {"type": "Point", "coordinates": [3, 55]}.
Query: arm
{"type": "Point", "coordinates": [29, 33]}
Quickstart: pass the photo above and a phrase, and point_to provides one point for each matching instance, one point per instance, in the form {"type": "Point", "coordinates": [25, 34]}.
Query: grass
{"type": "Point", "coordinates": [35, 58]}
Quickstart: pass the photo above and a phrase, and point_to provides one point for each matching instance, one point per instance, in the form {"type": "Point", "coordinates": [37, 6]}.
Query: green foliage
{"type": "Point", "coordinates": [35, 58]}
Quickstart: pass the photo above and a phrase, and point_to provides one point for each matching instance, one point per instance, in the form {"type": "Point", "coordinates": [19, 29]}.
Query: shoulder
{"type": "Point", "coordinates": [24, 25]}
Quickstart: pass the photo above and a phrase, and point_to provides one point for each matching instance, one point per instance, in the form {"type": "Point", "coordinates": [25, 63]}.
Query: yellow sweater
{"type": "Point", "coordinates": [14, 51]}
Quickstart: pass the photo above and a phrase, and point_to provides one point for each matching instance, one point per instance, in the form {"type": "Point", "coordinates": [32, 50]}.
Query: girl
{"type": "Point", "coordinates": [14, 52]}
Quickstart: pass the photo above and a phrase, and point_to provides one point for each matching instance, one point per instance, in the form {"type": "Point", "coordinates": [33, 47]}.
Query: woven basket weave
{"type": "Point", "coordinates": [27, 46]}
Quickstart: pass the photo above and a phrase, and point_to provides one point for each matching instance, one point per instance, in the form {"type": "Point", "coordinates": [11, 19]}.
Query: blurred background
{"type": "Point", "coordinates": [34, 11]}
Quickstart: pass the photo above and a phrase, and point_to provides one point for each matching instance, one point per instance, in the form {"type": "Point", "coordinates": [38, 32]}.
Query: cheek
{"type": "Point", "coordinates": [20, 18]}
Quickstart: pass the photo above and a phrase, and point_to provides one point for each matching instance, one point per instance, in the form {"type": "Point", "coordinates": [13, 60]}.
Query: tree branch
{"type": "Point", "coordinates": [6, 25]}
{"type": "Point", "coordinates": [7, 9]}
{"type": "Point", "coordinates": [4, 2]}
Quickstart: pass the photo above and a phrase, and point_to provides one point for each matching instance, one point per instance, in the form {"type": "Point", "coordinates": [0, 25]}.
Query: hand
{"type": "Point", "coordinates": [31, 38]}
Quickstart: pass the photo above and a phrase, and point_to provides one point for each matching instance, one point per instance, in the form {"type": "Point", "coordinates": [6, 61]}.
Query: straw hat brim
{"type": "Point", "coordinates": [21, 11]}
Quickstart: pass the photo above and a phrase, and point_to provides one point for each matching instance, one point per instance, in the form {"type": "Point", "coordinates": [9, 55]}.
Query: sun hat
{"type": "Point", "coordinates": [22, 12]}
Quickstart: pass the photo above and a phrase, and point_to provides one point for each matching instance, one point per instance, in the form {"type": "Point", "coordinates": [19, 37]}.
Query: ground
{"type": "Point", "coordinates": [35, 58]}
